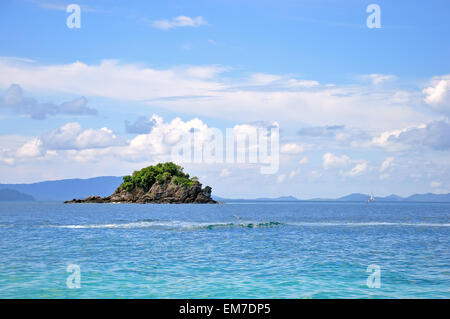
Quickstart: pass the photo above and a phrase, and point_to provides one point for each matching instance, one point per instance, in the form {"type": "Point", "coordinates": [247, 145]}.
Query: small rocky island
{"type": "Point", "coordinates": [164, 183]}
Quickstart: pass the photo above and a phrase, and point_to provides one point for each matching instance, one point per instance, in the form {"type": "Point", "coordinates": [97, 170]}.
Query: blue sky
{"type": "Point", "coordinates": [359, 109]}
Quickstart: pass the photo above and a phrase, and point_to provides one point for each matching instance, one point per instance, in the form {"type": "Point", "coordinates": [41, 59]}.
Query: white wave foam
{"type": "Point", "coordinates": [184, 225]}
{"type": "Point", "coordinates": [173, 225]}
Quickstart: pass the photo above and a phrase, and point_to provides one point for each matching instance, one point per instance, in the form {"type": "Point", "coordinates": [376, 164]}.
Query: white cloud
{"type": "Point", "coordinates": [333, 161]}
{"type": "Point", "coordinates": [434, 135]}
{"type": "Point", "coordinates": [164, 135]}
{"type": "Point", "coordinates": [383, 138]}
{"type": "Point", "coordinates": [72, 143]}
{"type": "Point", "coordinates": [436, 94]}
{"type": "Point", "coordinates": [280, 81]}
{"type": "Point", "coordinates": [294, 83]}
{"type": "Point", "coordinates": [291, 148]}
{"type": "Point", "coordinates": [180, 21]}
{"type": "Point", "coordinates": [141, 125]}
{"type": "Point", "coordinates": [330, 160]}
{"type": "Point", "coordinates": [179, 89]}
{"type": "Point", "coordinates": [304, 160]}
{"type": "Point", "coordinates": [7, 160]}
{"type": "Point", "coordinates": [435, 184]}
{"type": "Point", "coordinates": [204, 72]}
{"type": "Point", "coordinates": [358, 169]}
{"type": "Point", "coordinates": [32, 148]}
{"type": "Point", "coordinates": [263, 78]}
{"type": "Point", "coordinates": [72, 136]}
{"type": "Point", "coordinates": [15, 100]}
{"type": "Point", "coordinates": [386, 163]}
{"type": "Point", "coordinates": [378, 78]}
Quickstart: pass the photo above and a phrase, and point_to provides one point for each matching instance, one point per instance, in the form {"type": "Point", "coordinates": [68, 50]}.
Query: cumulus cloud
{"type": "Point", "coordinates": [32, 148]}
{"type": "Point", "coordinates": [330, 160]}
{"type": "Point", "coordinates": [436, 95]}
{"type": "Point", "coordinates": [291, 148]}
{"type": "Point", "coordinates": [434, 135]}
{"type": "Point", "coordinates": [164, 135]}
{"type": "Point", "coordinates": [73, 143]}
{"type": "Point", "coordinates": [141, 125]}
{"type": "Point", "coordinates": [15, 100]}
{"type": "Point", "coordinates": [180, 21]}
{"type": "Point", "coordinates": [72, 136]}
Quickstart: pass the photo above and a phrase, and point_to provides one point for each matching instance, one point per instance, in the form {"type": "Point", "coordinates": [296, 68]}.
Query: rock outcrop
{"type": "Point", "coordinates": [167, 191]}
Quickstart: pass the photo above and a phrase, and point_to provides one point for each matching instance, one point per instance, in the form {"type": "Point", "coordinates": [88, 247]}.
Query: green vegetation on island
{"type": "Point", "coordinates": [161, 173]}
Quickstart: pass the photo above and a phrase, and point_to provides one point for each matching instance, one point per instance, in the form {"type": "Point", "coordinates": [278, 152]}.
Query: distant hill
{"type": "Point", "coordinates": [68, 188]}
{"type": "Point", "coordinates": [10, 195]}
{"type": "Point", "coordinates": [355, 197]}
{"type": "Point", "coordinates": [429, 198]}
{"type": "Point", "coordinates": [391, 197]}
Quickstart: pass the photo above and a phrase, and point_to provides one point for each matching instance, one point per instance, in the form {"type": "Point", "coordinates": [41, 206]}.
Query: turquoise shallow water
{"type": "Point", "coordinates": [259, 250]}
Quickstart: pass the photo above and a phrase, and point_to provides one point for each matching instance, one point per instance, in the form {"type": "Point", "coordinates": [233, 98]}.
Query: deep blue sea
{"type": "Point", "coordinates": [234, 250]}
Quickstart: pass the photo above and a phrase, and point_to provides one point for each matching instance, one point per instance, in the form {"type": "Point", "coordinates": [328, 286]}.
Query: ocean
{"type": "Point", "coordinates": [233, 250]}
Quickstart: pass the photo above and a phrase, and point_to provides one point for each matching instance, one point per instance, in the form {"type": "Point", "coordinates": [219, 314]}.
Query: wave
{"type": "Point", "coordinates": [175, 224]}
{"type": "Point", "coordinates": [184, 225]}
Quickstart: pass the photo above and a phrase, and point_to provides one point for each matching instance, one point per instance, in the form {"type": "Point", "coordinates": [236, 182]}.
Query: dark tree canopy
{"type": "Point", "coordinates": [160, 173]}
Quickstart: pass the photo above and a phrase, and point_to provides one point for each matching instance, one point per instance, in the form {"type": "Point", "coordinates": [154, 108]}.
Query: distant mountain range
{"type": "Point", "coordinates": [395, 198]}
{"type": "Point", "coordinates": [67, 189]}
{"type": "Point", "coordinates": [356, 197]}
{"type": "Point", "coordinates": [10, 195]}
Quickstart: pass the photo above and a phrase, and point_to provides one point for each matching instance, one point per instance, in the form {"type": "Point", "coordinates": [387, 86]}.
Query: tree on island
{"type": "Point", "coordinates": [160, 173]}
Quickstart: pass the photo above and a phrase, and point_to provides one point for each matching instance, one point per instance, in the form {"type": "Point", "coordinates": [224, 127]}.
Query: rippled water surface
{"type": "Point", "coordinates": [251, 250]}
